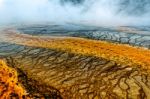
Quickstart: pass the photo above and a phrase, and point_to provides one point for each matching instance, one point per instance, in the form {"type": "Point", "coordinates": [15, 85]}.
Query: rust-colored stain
{"type": "Point", "coordinates": [9, 85]}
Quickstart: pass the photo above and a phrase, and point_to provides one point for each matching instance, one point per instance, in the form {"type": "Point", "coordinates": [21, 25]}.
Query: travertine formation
{"type": "Point", "coordinates": [50, 68]}
{"type": "Point", "coordinates": [14, 84]}
{"type": "Point", "coordinates": [135, 36]}
{"type": "Point", "coordinates": [77, 76]}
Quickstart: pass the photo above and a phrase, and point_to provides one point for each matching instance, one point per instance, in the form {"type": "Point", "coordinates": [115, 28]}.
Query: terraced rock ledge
{"type": "Point", "coordinates": [77, 68]}
{"type": "Point", "coordinates": [135, 36]}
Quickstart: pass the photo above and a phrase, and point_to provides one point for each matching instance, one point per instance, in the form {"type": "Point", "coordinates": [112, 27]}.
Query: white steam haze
{"type": "Point", "coordinates": [93, 12]}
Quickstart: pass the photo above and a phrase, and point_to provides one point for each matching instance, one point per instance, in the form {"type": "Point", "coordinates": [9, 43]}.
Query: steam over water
{"type": "Point", "coordinates": [91, 12]}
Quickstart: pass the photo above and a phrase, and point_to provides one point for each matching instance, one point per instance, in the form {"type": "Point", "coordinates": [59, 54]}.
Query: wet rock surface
{"type": "Point", "coordinates": [75, 76]}
{"type": "Point", "coordinates": [139, 36]}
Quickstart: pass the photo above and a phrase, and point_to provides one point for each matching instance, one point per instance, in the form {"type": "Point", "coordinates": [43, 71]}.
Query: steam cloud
{"type": "Point", "coordinates": [91, 12]}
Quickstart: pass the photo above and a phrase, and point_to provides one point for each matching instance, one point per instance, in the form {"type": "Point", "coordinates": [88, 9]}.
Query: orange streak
{"type": "Point", "coordinates": [9, 82]}
{"type": "Point", "coordinates": [120, 53]}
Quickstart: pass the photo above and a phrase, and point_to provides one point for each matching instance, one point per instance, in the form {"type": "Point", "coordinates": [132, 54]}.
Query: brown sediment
{"type": "Point", "coordinates": [81, 76]}
{"type": "Point", "coordinates": [81, 68]}
{"type": "Point", "coordinates": [117, 52]}
{"type": "Point", "coordinates": [14, 84]}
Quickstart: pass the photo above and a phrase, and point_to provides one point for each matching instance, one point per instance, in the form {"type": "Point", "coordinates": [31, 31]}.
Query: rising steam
{"type": "Point", "coordinates": [91, 12]}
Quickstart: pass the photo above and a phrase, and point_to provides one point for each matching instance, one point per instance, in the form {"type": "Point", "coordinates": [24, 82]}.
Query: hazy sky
{"type": "Point", "coordinates": [94, 12]}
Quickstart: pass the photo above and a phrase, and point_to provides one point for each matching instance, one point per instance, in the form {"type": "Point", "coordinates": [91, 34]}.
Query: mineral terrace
{"type": "Point", "coordinates": [74, 65]}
